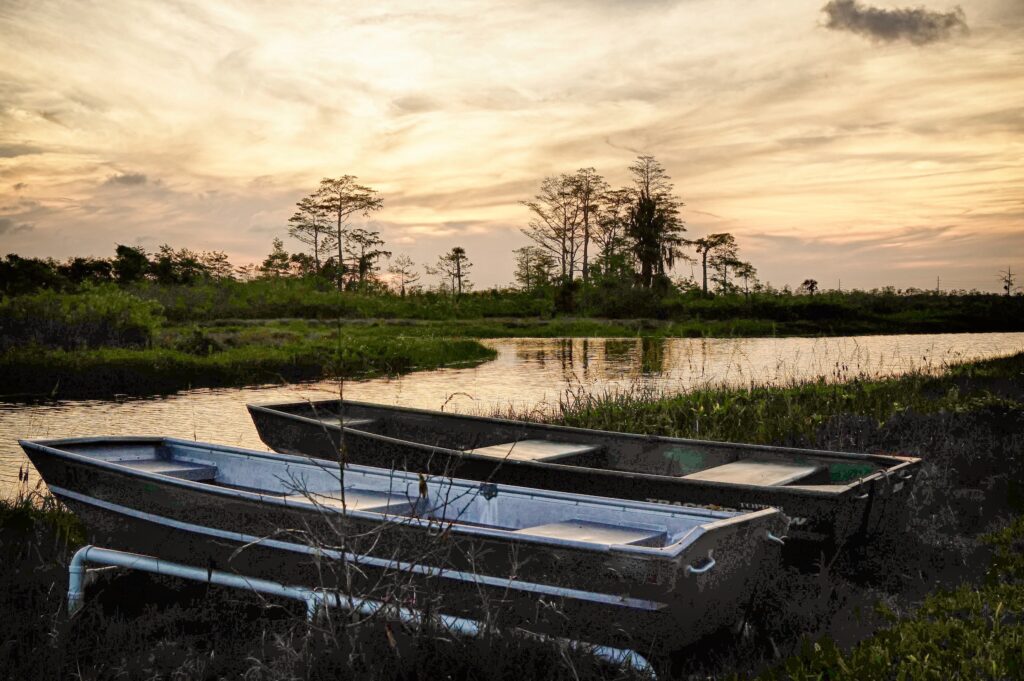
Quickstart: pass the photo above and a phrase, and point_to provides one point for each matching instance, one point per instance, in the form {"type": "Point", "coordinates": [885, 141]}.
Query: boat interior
{"type": "Point", "coordinates": [763, 466]}
{"type": "Point", "coordinates": [534, 514]}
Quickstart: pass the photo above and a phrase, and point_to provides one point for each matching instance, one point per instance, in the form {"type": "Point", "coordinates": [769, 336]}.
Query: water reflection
{"type": "Point", "coordinates": [527, 374]}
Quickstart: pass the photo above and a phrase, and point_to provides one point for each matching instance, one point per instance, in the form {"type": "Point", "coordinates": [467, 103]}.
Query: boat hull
{"type": "Point", "coordinates": [560, 592]}
{"type": "Point", "coordinates": [432, 441]}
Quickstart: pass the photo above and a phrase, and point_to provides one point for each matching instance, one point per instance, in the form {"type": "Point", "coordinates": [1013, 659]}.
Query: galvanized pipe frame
{"type": "Point", "coordinates": [316, 599]}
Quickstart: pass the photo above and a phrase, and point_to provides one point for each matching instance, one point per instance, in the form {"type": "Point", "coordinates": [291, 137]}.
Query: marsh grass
{"type": "Point", "coordinates": [192, 357]}
{"type": "Point", "coordinates": [829, 411]}
{"type": "Point", "coordinates": [973, 631]}
{"type": "Point", "coordinates": [916, 606]}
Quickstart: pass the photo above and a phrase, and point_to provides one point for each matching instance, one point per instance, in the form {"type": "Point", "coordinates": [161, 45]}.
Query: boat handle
{"type": "Point", "coordinates": [778, 540]}
{"type": "Point", "coordinates": [690, 570]}
{"type": "Point", "coordinates": [906, 476]}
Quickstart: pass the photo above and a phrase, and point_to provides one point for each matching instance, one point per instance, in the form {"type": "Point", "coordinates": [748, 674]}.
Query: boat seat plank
{"type": "Point", "coordinates": [597, 533]}
{"type": "Point", "coordinates": [176, 469]}
{"type": "Point", "coordinates": [534, 450]}
{"type": "Point", "coordinates": [347, 422]}
{"type": "Point", "coordinates": [360, 500]}
{"type": "Point", "coordinates": [764, 473]}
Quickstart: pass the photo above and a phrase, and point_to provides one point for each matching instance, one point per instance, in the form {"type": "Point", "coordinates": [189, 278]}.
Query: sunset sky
{"type": "Point", "coordinates": [876, 142]}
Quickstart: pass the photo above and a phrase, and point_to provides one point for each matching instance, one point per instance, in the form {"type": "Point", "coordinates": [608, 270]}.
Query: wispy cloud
{"type": "Point", "coordinates": [11, 226]}
{"type": "Point", "coordinates": [917, 25]}
{"type": "Point", "coordinates": [13, 150]}
{"type": "Point", "coordinates": [126, 180]}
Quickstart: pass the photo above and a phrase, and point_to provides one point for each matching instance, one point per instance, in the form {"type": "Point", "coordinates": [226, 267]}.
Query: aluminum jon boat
{"type": "Point", "coordinates": [623, 571]}
{"type": "Point", "coordinates": [831, 497]}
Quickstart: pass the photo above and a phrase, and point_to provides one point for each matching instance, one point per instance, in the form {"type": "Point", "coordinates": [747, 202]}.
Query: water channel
{"type": "Point", "coordinates": [528, 374]}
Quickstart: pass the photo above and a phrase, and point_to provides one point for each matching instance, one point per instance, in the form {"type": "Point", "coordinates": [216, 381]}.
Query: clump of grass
{"type": "Point", "coordinates": [796, 414]}
{"type": "Point", "coordinates": [31, 515]}
{"type": "Point", "coordinates": [971, 632]}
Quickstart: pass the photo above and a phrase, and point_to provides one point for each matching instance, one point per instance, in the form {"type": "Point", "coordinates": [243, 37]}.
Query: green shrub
{"type": "Point", "coordinates": [97, 317]}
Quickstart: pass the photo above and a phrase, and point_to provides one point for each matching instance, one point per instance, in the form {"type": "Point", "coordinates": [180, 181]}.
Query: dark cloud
{"type": "Point", "coordinates": [126, 179]}
{"type": "Point", "coordinates": [19, 186]}
{"type": "Point", "coordinates": [413, 104]}
{"type": "Point", "coordinates": [11, 226]}
{"type": "Point", "coordinates": [264, 229]}
{"type": "Point", "coordinates": [918, 25]}
{"type": "Point", "coordinates": [12, 150]}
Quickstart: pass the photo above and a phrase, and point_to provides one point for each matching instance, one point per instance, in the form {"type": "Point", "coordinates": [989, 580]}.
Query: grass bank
{"type": "Point", "coordinates": [945, 601]}
{"type": "Point", "coordinates": [233, 355]}
{"type": "Point", "coordinates": [804, 414]}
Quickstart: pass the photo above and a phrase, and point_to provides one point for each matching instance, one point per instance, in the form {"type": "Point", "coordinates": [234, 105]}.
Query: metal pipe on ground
{"type": "Point", "coordinates": [315, 599]}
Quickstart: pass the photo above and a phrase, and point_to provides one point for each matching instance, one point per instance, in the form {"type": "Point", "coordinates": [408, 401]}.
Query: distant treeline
{"type": "Point", "coordinates": [82, 290]}
{"type": "Point", "coordinates": [596, 251]}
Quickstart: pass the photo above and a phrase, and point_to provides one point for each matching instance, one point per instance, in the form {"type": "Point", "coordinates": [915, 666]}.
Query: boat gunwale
{"type": "Point", "coordinates": [669, 553]}
{"type": "Point", "coordinates": [896, 463]}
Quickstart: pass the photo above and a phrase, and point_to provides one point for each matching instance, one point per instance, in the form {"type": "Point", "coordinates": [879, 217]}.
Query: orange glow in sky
{"type": "Point", "coordinates": [831, 151]}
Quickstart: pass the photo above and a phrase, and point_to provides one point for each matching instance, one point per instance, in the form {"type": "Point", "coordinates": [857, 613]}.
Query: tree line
{"type": "Point", "coordinates": [584, 230]}
{"type": "Point", "coordinates": [587, 239]}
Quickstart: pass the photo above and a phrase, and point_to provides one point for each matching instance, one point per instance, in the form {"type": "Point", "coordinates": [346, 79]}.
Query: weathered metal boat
{"type": "Point", "coordinates": [625, 571]}
{"type": "Point", "coordinates": [831, 497]}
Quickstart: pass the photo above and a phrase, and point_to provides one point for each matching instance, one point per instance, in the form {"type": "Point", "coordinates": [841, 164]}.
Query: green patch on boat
{"type": "Point", "coordinates": [688, 460]}
{"type": "Point", "coordinates": [842, 471]}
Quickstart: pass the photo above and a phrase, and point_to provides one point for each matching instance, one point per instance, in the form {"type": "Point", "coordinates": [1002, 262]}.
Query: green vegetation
{"type": "Point", "coordinates": [801, 414]}
{"type": "Point", "coordinates": [147, 338]}
{"type": "Point", "coordinates": [182, 357]}
{"type": "Point", "coordinates": [90, 319]}
{"type": "Point", "coordinates": [972, 632]}
{"type": "Point", "coordinates": [673, 314]}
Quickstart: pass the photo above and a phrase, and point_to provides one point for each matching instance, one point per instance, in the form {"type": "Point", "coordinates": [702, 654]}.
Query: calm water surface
{"type": "Point", "coordinates": [527, 374]}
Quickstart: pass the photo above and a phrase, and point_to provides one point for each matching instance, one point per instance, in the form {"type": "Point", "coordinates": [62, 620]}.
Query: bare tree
{"type": "Point", "coordinates": [364, 250]}
{"type": "Point", "coordinates": [589, 188]}
{"type": "Point", "coordinates": [610, 234]}
{"type": "Point", "coordinates": [747, 272]}
{"type": "Point", "coordinates": [709, 247]}
{"type": "Point", "coordinates": [453, 265]}
{"type": "Point", "coordinates": [404, 271]}
{"type": "Point", "coordinates": [1008, 280]}
{"type": "Point", "coordinates": [535, 267]}
{"type": "Point", "coordinates": [340, 199]}
{"type": "Point", "coordinates": [310, 225]}
{"type": "Point", "coordinates": [556, 223]}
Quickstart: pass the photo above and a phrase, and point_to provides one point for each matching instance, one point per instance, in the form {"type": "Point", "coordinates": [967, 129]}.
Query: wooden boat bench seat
{"type": "Point", "coordinates": [764, 473]}
{"type": "Point", "coordinates": [347, 422]}
{"type": "Point", "coordinates": [598, 533]}
{"type": "Point", "coordinates": [534, 450]}
{"type": "Point", "coordinates": [360, 500]}
{"type": "Point", "coordinates": [176, 469]}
